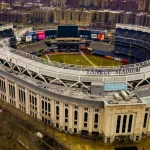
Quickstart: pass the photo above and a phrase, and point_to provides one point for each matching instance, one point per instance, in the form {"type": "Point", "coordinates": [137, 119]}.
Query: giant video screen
{"type": "Point", "coordinates": [67, 31]}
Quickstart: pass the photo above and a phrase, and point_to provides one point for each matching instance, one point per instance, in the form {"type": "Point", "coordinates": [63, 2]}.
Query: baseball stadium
{"type": "Point", "coordinates": [69, 78]}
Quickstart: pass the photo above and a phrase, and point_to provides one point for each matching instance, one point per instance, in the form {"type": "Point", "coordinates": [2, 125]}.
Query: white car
{"type": "Point", "coordinates": [39, 134]}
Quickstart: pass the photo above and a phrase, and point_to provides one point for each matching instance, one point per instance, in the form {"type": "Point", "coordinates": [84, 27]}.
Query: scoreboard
{"type": "Point", "coordinates": [67, 31]}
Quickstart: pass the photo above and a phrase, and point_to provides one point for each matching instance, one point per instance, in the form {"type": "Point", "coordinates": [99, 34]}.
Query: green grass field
{"type": "Point", "coordinates": [86, 60]}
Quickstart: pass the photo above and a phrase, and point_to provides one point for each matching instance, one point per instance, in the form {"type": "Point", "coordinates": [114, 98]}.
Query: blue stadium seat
{"type": "Point", "coordinates": [120, 39]}
{"type": "Point", "coordinates": [139, 34]}
{"type": "Point", "coordinates": [146, 37]}
{"type": "Point", "coordinates": [133, 51]}
{"type": "Point", "coordinates": [121, 32]}
{"type": "Point", "coordinates": [142, 56]}
{"type": "Point", "coordinates": [146, 45]}
{"type": "Point", "coordinates": [139, 42]}
{"type": "Point", "coordinates": [118, 49]}
{"type": "Point", "coordinates": [131, 33]}
{"type": "Point", "coordinates": [130, 40]}
{"type": "Point", "coordinates": [125, 51]}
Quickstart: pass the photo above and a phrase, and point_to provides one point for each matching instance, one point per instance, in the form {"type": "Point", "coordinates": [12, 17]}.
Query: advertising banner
{"type": "Point", "coordinates": [28, 38]}
{"type": "Point", "coordinates": [35, 37]}
{"type": "Point", "coordinates": [103, 36]}
{"type": "Point", "coordinates": [41, 35]}
{"type": "Point", "coordinates": [100, 37]}
{"type": "Point", "coordinates": [94, 36]}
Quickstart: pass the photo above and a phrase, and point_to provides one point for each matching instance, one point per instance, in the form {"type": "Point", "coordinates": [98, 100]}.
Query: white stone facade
{"type": "Point", "coordinates": [76, 118]}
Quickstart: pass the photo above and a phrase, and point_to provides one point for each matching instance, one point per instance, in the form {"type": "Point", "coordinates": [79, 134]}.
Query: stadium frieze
{"type": "Point", "coordinates": [113, 71]}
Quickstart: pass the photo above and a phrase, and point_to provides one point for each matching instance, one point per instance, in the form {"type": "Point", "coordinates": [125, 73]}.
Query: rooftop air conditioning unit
{"type": "Point", "coordinates": [117, 97]}
{"type": "Point", "coordinates": [124, 95]}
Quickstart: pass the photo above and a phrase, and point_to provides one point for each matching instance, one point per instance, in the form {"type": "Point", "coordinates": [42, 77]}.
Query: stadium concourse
{"type": "Point", "coordinates": [111, 103]}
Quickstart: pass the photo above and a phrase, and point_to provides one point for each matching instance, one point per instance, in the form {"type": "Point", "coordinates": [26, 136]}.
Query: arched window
{"type": "Point", "coordinates": [85, 116]}
{"type": "Point", "coordinates": [57, 110]}
{"type": "Point", "coordinates": [124, 123]}
{"type": "Point", "coordinates": [96, 118]}
{"type": "Point", "coordinates": [66, 113]}
{"type": "Point", "coordinates": [118, 124]}
{"type": "Point", "coordinates": [75, 115]}
{"type": "Point", "coordinates": [130, 123]}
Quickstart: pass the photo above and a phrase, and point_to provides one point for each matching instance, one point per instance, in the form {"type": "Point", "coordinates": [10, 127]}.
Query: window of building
{"type": "Point", "coordinates": [22, 98]}
{"type": "Point", "coordinates": [57, 103]}
{"type": "Point", "coordinates": [75, 123]}
{"type": "Point", "coordinates": [75, 130]}
{"type": "Point", "coordinates": [76, 107]}
{"type": "Point", "coordinates": [86, 109]}
{"type": "Point", "coordinates": [42, 104]}
{"type": "Point", "coordinates": [57, 125]}
{"type": "Point", "coordinates": [147, 109]}
{"type": "Point", "coordinates": [118, 124]}
{"type": "Point", "coordinates": [49, 122]}
{"type": "Point", "coordinates": [43, 119]}
{"type": "Point", "coordinates": [130, 123]}
{"type": "Point", "coordinates": [11, 91]}
{"type": "Point", "coordinates": [66, 113]}
{"type": "Point", "coordinates": [145, 120]}
{"type": "Point", "coordinates": [66, 128]}
{"type": "Point", "coordinates": [57, 110]}
{"type": "Point", "coordinates": [33, 102]}
{"type": "Point", "coordinates": [124, 123]}
{"type": "Point", "coordinates": [66, 105]}
{"type": "Point", "coordinates": [75, 115]}
{"type": "Point", "coordinates": [2, 85]}
{"type": "Point", "coordinates": [137, 138]}
{"type": "Point", "coordinates": [96, 110]}
{"type": "Point", "coordinates": [96, 118]}
{"type": "Point", "coordinates": [95, 126]}
{"type": "Point", "coordinates": [49, 107]}
{"type": "Point", "coordinates": [45, 106]}
{"type": "Point", "coordinates": [57, 117]}
{"type": "Point", "coordinates": [85, 116]}
{"type": "Point", "coordinates": [85, 124]}
{"type": "Point", "coordinates": [108, 140]}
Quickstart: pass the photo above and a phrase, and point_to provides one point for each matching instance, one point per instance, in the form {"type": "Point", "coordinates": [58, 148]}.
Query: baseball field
{"type": "Point", "coordinates": [82, 59]}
